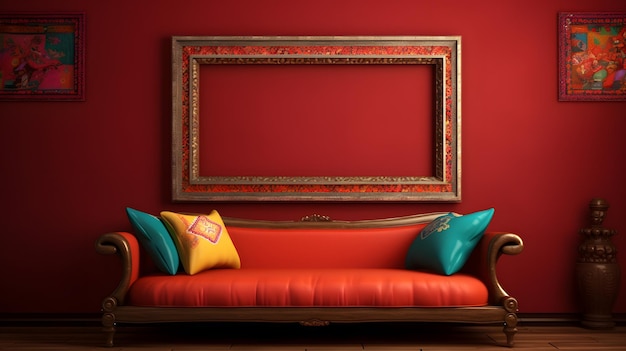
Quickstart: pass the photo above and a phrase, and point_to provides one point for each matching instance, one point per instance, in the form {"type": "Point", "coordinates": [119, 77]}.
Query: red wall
{"type": "Point", "coordinates": [70, 168]}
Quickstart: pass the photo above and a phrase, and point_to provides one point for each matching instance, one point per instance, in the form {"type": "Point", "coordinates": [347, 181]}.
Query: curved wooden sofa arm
{"type": "Point", "coordinates": [127, 247]}
{"type": "Point", "coordinates": [484, 259]}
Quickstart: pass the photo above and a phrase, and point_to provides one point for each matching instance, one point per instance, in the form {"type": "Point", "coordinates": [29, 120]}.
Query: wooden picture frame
{"type": "Point", "coordinates": [42, 56]}
{"type": "Point", "coordinates": [592, 56]}
{"type": "Point", "coordinates": [195, 179]}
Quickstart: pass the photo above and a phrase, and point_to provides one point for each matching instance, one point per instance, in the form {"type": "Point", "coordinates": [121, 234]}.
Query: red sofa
{"type": "Point", "coordinates": [315, 272]}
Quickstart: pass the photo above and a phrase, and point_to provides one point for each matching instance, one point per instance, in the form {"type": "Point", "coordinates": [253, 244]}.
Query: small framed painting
{"type": "Point", "coordinates": [592, 56]}
{"type": "Point", "coordinates": [42, 56]}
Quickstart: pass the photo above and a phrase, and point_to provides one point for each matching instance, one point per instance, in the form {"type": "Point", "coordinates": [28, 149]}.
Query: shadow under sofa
{"type": "Point", "coordinates": [314, 272]}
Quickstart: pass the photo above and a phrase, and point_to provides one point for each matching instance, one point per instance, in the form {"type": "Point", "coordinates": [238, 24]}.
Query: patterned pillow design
{"type": "Point", "coordinates": [202, 241]}
{"type": "Point", "coordinates": [446, 243]}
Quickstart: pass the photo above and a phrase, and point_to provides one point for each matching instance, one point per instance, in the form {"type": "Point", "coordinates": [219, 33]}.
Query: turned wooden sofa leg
{"type": "Point", "coordinates": [108, 319]}
{"type": "Point", "coordinates": [108, 326]}
{"type": "Point", "coordinates": [510, 320]}
{"type": "Point", "coordinates": [510, 328]}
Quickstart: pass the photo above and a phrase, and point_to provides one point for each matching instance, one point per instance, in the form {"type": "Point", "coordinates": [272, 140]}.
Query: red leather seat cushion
{"type": "Point", "coordinates": [309, 287]}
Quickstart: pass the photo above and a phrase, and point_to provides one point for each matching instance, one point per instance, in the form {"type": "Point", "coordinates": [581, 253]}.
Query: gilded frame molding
{"type": "Point", "coordinates": [443, 53]}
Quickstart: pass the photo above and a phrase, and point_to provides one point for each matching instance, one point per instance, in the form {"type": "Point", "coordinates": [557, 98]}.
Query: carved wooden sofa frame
{"type": "Point", "coordinates": [501, 308]}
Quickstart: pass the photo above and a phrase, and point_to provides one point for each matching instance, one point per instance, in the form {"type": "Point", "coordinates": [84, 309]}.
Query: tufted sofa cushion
{"type": "Point", "coordinates": [309, 288]}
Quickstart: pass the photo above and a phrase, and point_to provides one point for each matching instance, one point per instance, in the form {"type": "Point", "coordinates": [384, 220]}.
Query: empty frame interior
{"type": "Point", "coordinates": [355, 120]}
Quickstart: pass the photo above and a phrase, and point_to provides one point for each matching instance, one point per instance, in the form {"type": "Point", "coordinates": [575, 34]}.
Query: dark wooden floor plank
{"type": "Point", "coordinates": [260, 337]}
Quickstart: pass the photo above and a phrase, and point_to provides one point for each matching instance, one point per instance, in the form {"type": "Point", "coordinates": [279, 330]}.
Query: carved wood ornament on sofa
{"type": "Point", "coordinates": [196, 125]}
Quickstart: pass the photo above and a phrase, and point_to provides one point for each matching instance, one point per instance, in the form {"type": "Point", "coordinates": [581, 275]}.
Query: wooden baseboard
{"type": "Point", "coordinates": [561, 318]}
{"type": "Point", "coordinates": [52, 318]}
{"type": "Point", "coordinates": [91, 319]}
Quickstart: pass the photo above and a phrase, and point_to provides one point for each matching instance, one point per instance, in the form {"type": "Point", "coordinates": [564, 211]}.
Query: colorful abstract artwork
{"type": "Point", "coordinates": [41, 57]}
{"type": "Point", "coordinates": [592, 56]}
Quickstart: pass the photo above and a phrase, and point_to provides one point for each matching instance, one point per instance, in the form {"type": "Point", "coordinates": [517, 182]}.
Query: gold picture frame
{"type": "Point", "coordinates": [193, 179]}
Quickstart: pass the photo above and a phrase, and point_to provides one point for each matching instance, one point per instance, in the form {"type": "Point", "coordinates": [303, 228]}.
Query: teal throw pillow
{"type": "Point", "coordinates": [446, 243]}
{"type": "Point", "coordinates": [154, 237]}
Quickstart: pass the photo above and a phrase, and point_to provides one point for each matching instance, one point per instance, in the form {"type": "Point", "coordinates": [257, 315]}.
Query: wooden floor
{"type": "Point", "coordinates": [287, 337]}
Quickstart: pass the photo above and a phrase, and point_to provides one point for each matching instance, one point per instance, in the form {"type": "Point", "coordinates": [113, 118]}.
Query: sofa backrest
{"type": "Point", "coordinates": [357, 244]}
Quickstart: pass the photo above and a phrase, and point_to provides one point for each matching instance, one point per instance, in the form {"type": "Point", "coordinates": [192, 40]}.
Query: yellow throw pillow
{"type": "Point", "coordinates": [202, 241]}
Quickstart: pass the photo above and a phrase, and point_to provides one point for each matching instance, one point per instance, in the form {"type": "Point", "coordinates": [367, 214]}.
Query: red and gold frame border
{"type": "Point", "coordinates": [443, 53]}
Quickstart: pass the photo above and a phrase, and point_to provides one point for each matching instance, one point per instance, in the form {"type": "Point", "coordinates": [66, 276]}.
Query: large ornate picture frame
{"type": "Point", "coordinates": [592, 56]}
{"type": "Point", "coordinates": [42, 56]}
{"type": "Point", "coordinates": [225, 69]}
